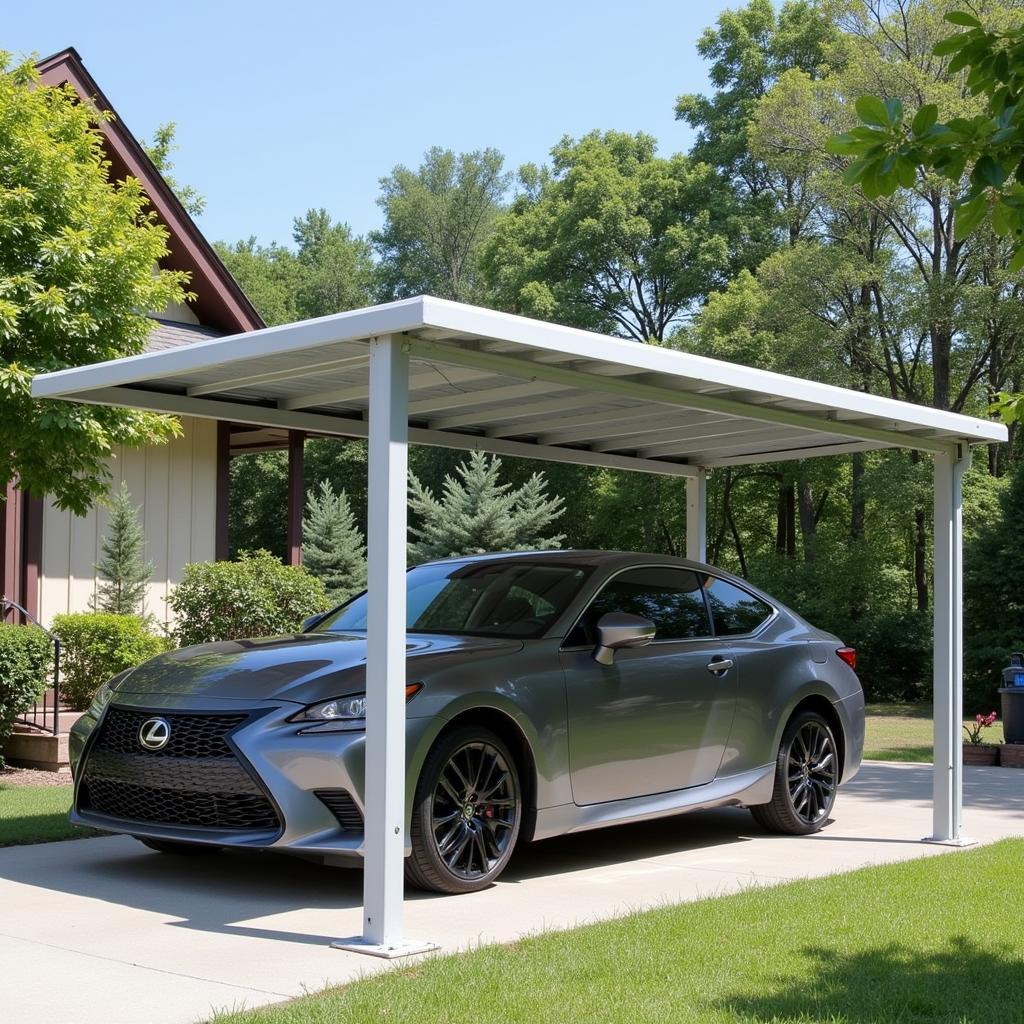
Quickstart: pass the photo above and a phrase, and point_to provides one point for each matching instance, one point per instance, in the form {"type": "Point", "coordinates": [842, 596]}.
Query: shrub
{"type": "Point", "coordinates": [25, 657]}
{"type": "Point", "coordinates": [252, 597]}
{"type": "Point", "coordinates": [94, 646]}
{"type": "Point", "coordinates": [894, 655]}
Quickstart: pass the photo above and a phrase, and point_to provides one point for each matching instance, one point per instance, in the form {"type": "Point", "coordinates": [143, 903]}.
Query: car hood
{"type": "Point", "coordinates": [304, 667]}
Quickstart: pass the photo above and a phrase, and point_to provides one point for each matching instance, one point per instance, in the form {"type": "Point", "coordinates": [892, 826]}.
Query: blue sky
{"type": "Point", "coordinates": [285, 106]}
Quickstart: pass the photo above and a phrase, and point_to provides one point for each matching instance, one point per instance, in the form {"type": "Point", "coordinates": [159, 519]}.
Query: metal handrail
{"type": "Point", "coordinates": [6, 607]}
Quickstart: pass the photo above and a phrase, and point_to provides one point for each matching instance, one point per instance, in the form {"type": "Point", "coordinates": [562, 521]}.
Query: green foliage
{"type": "Point", "coordinates": [333, 548]}
{"type": "Point", "coordinates": [477, 513]}
{"type": "Point", "coordinates": [159, 151]}
{"type": "Point", "coordinates": [77, 254]}
{"type": "Point", "coordinates": [329, 270]}
{"type": "Point", "coordinates": [614, 238]}
{"type": "Point", "coordinates": [987, 146]}
{"type": "Point", "coordinates": [255, 596]}
{"type": "Point", "coordinates": [993, 599]}
{"type": "Point", "coordinates": [749, 49]}
{"type": "Point", "coordinates": [268, 274]}
{"type": "Point", "coordinates": [122, 574]}
{"type": "Point", "coordinates": [26, 655]}
{"type": "Point", "coordinates": [94, 647]}
{"type": "Point", "coordinates": [335, 271]}
{"type": "Point", "coordinates": [437, 219]}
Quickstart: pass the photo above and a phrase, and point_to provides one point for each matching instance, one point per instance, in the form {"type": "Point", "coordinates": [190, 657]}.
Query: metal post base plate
{"type": "Point", "coordinates": [388, 951]}
{"type": "Point", "coordinates": [962, 841]}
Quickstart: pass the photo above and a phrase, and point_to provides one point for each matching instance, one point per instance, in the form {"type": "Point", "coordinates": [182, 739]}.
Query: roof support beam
{"type": "Point", "coordinates": [359, 392]}
{"type": "Point", "coordinates": [792, 454]}
{"type": "Point", "coordinates": [619, 435]}
{"type": "Point", "coordinates": [275, 376]}
{"type": "Point", "coordinates": [348, 426]}
{"type": "Point", "coordinates": [508, 393]}
{"type": "Point", "coordinates": [723, 441]}
{"type": "Point", "coordinates": [622, 387]}
{"type": "Point", "coordinates": [480, 417]}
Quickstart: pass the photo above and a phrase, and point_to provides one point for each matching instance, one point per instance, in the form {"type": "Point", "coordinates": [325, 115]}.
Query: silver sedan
{"type": "Point", "coordinates": [546, 693]}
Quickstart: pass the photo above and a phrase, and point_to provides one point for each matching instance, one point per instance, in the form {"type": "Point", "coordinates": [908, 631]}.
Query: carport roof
{"type": "Point", "coordinates": [481, 379]}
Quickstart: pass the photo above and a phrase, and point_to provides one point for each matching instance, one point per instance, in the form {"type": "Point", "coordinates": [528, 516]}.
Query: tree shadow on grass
{"type": "Point", "coordinates": [961, 983]}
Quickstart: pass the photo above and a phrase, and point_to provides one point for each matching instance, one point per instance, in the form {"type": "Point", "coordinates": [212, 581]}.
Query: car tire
{"type": "Point", "coordinates": [806, 778]}
{"type": "Point", "coordinates": [179, 849]}
{"type": "Point", "coordinates": [466, 813]}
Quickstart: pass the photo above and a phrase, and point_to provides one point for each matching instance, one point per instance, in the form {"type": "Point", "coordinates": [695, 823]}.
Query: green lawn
{"type": "Point", "coordinates": [903, 732]}
{"type": "Point", "coordinates": [912, 943]}
{"type": "Point", "coordinates": [37, 814]}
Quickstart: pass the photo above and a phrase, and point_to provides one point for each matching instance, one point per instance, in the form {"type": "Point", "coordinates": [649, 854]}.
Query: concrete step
{"type": "Point", "coordinates": [37, 750]}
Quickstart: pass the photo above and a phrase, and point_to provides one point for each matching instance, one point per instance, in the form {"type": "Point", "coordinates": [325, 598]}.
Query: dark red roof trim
{"type": "Point", "coordinates": [220, 302]}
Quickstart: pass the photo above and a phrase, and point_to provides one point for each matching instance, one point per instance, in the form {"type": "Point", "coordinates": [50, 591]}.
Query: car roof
{"type": "Point", "coordinates": [571, 556]}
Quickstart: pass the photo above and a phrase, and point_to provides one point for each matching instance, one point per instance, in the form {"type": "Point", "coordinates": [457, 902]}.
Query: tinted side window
{"type": "Point", "coordinates": [670, 598]}
{"type": "Point", "coordinates": [733, 610]}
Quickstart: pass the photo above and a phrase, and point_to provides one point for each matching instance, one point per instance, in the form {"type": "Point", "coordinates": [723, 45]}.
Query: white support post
{"type": "Point", "coordinates": [384, 845]}
{"type": "Point", "coordinates": [697, 517]}
{"type": "Point", "coordinates": [947, 807]}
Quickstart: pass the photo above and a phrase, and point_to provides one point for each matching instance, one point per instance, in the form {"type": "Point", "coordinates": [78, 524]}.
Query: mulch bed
{"type": "Point", "coordinates": [11, 776]}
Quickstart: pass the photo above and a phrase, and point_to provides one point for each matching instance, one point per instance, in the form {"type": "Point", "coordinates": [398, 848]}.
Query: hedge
{"type": "Point", "coordinates": [25, 656]}
{"type": "Point", "coordinates": [94, 646]}
{"type": "Point", "coordinates": [255, 596]}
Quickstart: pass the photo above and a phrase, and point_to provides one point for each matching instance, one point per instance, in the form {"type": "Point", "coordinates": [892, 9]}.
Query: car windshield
{"type": "Point", "coordinates": [513, 599]}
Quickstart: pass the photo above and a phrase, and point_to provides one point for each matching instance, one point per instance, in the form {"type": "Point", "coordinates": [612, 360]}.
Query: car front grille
{"type": "Point", "coordinates": [340, 803]}
{"type": "Point", "coordinates": [196, 781]}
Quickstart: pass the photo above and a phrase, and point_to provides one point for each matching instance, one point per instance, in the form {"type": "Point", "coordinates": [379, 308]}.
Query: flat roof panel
{"type": "Point", "coordinates": [503, 383]}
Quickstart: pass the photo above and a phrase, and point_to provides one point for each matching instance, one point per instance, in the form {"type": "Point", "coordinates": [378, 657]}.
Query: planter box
{"type": "Point", "coordinates": [1011, 755]}
{"type": "Point", "coordinates": [981, 753]}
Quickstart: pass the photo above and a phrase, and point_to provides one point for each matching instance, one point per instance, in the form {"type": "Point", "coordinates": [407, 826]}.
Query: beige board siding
{"type": "Point", "coordinates": [175, 485]}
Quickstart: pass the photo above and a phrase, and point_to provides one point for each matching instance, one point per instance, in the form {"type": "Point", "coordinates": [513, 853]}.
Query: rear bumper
{"type": "Point", "coordinates": [290, 762]}
{"type": "Point", "coordinates": [851, 715]}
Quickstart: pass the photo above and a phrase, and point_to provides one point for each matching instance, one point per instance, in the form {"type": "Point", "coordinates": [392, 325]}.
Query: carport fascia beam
{"type": "Point", "coordinates": [524, 368]}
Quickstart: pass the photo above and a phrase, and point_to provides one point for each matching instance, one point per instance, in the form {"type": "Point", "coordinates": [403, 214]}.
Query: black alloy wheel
{"type": "Point", "coordinates": [806, 778]}
{"type": "Point", "coordinates": [466, 815]}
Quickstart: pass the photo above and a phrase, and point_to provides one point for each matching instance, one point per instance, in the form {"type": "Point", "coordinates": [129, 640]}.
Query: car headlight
{"type": "Point", "coordinates": [345, 712]}
{"type": "Point", "coordinates": [341, 709]}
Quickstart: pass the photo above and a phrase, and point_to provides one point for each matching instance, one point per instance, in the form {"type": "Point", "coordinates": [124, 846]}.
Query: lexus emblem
{"type": "Point", "coordinates": [154, 733]}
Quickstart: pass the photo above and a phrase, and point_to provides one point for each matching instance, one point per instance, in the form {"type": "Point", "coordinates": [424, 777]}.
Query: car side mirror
{"type": "Point", "coordinates": [621, 629]}
{"type": "Point", "coordinates": [314, 620]}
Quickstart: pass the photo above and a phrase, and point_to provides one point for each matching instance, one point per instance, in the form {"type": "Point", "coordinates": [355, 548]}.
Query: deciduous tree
{"type": "Point", "coordinates": [77, 258]}
{"type": "Point", "coordinates": [436, 221]}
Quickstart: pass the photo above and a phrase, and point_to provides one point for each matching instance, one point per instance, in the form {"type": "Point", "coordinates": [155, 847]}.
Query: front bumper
{"type": "Point", "coordinates": [290, 761]}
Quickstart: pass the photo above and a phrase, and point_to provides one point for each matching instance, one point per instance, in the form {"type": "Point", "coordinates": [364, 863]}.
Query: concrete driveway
{"type": "Point", "coordinates": [105, 931]}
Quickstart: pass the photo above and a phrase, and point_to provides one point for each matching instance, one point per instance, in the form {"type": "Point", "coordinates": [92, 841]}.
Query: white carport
{"type": "Point", "coordinates": [433, 372]}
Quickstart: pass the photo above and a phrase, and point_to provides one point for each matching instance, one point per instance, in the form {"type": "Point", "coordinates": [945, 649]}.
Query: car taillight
{"type": "Point", "coordinates": [849, 655]}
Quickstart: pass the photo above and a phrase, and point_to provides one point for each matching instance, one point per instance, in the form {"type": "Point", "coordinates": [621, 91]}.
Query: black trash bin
{"type": "Point", "coordinates": [1012, 693]}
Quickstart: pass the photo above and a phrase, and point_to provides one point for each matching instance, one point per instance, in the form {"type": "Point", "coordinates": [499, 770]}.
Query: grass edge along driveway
{"type": "Point", "coordinates": [935, 940]}
{"type": "Point", "coordinates": [903, 732]}
{"type": "Point", "coordinates": [37, 814]}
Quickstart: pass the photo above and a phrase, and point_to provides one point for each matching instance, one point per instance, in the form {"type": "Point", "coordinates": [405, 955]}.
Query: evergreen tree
{"type": "Point", "coordinates": [122, 572]}
{"type": "Point", "coordinates": [333, 547]}
{"type": "Point", "coordinates": [477, 513]}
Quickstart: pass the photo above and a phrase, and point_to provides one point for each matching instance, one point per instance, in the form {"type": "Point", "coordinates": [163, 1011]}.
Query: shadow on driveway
{"type": "Point", "coordinates": [218, 892]}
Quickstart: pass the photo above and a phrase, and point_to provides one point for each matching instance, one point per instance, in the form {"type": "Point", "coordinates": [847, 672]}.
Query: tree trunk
{"type": "Point", "coordinates": [857, 501]}
{"type": "Point", "coordinates": [808, 521]}
{"type": "Point", "coordinates": [921, 559]}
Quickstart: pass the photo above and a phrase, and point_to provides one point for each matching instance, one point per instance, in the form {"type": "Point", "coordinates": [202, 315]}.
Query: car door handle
{"type": "Point", "coordinates": [719, 666]}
